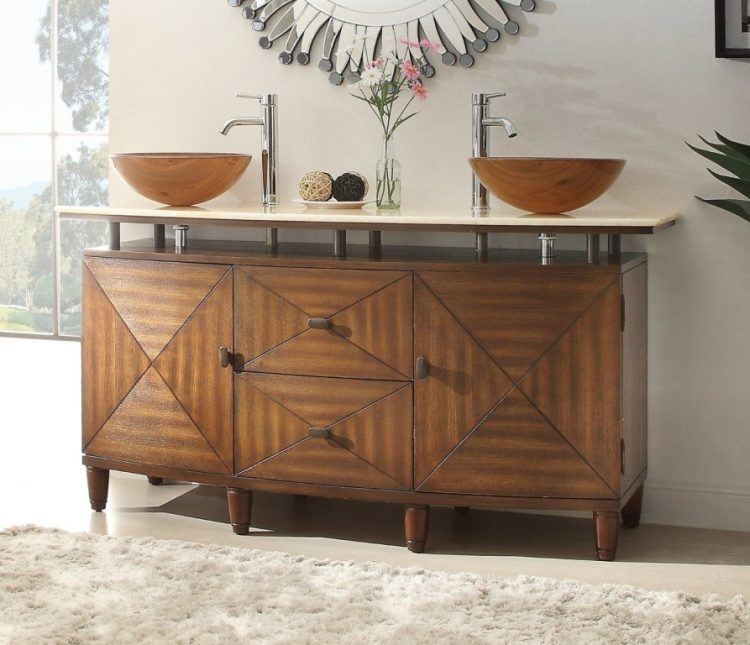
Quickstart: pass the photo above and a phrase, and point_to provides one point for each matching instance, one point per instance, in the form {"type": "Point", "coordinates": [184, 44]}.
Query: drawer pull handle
{"type": "Point", "coordinates": [318, 433]}
{"type": "Point", "coordinates": [318, 323]}
{"type": "Point", "coordinates": [422, 368]}
{"type": "Point", "coordinates": [225, 357]}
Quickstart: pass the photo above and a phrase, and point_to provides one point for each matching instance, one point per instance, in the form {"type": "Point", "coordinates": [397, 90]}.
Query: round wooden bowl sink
{"type": "Point", "coordinates": [180, 178]}
{"type": "Point", "coordinates": [541, 185]}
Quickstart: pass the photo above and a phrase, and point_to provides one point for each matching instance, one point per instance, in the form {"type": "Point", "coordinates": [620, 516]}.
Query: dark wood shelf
{"type": "Point", "coordinates": [360, 256]}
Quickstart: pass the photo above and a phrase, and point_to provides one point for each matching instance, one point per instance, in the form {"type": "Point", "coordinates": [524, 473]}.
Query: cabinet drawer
{"type": "Point", "coordinates": [341, 432]}
{"type": "Point", "coordinates": [324, 322]}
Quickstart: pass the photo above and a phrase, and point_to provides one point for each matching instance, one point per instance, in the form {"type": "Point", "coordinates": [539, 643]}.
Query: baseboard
{"type": "Point", "coordinates": [683, 504]}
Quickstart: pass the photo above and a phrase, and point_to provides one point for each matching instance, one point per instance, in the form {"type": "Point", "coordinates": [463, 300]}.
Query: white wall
{"type": "Point", "coordinates": [586, 78]}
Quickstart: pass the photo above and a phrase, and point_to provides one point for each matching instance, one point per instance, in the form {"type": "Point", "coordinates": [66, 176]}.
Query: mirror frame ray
{"type": "Point", "coordinates": [351, 36]}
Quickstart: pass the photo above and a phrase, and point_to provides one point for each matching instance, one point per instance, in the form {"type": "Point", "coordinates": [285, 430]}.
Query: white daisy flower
{"type": "Point", "coordinates": [371, 76]}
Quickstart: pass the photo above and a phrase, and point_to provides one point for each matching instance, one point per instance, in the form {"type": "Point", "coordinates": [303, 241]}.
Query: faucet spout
{"type": "Point", "coordinates": [510, 129]}
{"type": "Point", "coordinates": [232, 123]}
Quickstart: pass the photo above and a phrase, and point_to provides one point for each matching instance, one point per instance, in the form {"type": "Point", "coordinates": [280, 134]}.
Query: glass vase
{"type": "Point", "coordinates": [388, 180]}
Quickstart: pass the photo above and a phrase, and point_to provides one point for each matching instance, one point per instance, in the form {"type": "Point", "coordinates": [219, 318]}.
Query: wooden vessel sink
{"type": "Point", "coordinates": [180, 179]}
{"type": "Point", "coordinates": [545, 185]}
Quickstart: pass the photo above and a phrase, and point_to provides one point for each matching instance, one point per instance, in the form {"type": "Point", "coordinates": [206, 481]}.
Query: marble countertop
{"type": "Point", "coordinates": [587, 220]}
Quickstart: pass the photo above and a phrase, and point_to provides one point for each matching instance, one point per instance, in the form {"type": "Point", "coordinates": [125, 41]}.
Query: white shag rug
{"type": "Point", "coordinates": [58, 587]}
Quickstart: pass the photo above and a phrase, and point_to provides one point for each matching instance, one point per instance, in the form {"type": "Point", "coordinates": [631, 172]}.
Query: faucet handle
{"type": "Point", "coordinates": [265, 99]}
{"type": "Point", "coordinates": [482, 98]}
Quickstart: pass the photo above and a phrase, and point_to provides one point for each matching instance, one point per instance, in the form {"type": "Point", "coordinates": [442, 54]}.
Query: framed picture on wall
{"type": "Point", "coordinates": [732, 28]}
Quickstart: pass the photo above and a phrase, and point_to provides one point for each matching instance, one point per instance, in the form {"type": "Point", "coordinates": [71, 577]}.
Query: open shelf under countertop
{"type": "Point", "coordinates": [587, 220]}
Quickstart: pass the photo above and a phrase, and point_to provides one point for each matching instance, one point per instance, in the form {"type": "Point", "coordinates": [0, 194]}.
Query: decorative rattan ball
{"type": "Point", "coordinates": [349, 188]}
{"type": "Point", "coordinates": [316, 186]}
{"type": "Point", "coordinates": [364, 179]}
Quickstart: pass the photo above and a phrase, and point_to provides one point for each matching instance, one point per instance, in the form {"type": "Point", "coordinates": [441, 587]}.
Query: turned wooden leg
{"type": "Point", "coordinates": [606, 529]}
{"type": "Point", "coordinates": [98, 482]}
{"type": "Point", "coordinates": [631, 512]}
{"type": "Point", "coordinates": [462, 510]}
{"type": "Point", "coordinates": [155, 481]}
{"type": "Point", "coordinates": [416, 520]}
{"type": "Point", "coordinates": [240, 508]}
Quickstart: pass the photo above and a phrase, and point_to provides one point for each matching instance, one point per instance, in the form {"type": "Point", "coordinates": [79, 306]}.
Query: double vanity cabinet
{"type": "Point", "coordinates": [409, 375]}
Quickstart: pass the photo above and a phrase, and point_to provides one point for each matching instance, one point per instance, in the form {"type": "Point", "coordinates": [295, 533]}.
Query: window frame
{"type": "Point", "coordinates": [54, 136]}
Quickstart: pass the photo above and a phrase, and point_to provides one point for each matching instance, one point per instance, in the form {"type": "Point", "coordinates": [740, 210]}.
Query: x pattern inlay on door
{"type": "Point", "coordinates": [542, 365]}
{"type": "Point", "coordinates": [167, 377]}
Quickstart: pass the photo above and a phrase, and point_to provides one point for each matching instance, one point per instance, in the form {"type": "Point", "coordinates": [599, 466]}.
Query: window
{"type": "Point", "coordinates": [54, 99]}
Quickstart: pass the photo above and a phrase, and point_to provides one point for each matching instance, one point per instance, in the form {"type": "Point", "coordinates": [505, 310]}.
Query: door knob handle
{"type": "Point", "coordinates": [318, 323]}
{"type": "Point", "coordinates": [318, 433]}
{"type": "Point", "coordinates": [421, 368]}
{"type": "Point", "coordinates": [225, 357]}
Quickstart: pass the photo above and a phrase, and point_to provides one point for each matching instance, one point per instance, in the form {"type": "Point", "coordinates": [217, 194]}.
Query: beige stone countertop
{"type": "Point", "coordinates": [587, 220]}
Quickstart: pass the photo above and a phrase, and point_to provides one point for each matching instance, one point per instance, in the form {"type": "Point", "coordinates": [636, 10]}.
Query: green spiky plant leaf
{"type": "Point", "coordinates": [734, 157]}
{"type": "Point", "coordinates": [739, 147]}
{"type": "Point", "coordinates": [724, 149]}
{"type": "Point", "coordinates": [740, 207]}
{"type": "Point", "coordinates": [740, 185]}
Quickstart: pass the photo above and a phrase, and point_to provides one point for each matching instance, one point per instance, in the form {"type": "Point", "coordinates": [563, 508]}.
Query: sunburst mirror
{"type": "Point", "coordinates": [459, 26]}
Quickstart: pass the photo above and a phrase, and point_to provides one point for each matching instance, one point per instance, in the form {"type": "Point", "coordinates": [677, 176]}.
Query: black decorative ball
{"type": "Point", "coordinates": [349, 188]}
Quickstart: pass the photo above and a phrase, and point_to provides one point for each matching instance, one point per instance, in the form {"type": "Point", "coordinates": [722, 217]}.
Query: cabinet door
{"type": "Point", "coordinates": [154, 391]}
{"type": "Point", "coordinates": [521, 393]}
{"type": "Point", "coordinates": [324, 322]}
{"type": "Point", "coordinates": [341, 432]}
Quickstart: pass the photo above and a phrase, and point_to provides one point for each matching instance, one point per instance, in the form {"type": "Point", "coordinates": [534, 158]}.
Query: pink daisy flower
{"type": "Point", "coordinates": [419, 91]}
{"type": "Point", "coordinates": [410, 72]}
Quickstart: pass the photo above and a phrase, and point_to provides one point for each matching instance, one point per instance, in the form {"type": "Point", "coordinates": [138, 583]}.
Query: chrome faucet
{"type": "Point", "coordinates": [481, 122]}
{"type": "Point", "coordinates": [268, 120]}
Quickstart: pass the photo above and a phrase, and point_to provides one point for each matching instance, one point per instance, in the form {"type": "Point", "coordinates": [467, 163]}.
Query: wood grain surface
{"type": "Point", "coordinates": [370, 419]}
{"type": "Point", "coordinates": [634, 375]}
{"type": "Point", "coordinates": [180, 179]}
{"type": "Point", "coordinates": [544, 186]}
{"type": "Point", "coordinates": [154, 298]}
{"type": "Point", "coordinates": [462, 384]}
{"type": "Point", "coordinates": [112, 361]}
{"type": "Point", "coordinates": [576, 385]}
{"type": "Point", "coordinates": [191, 368]}
{"type": "Point", "coordinates": [516, 318]}
{"type": "Point", "coordinates": [151, 427]}
{"type": "Point", "coordinates": [515, 451]}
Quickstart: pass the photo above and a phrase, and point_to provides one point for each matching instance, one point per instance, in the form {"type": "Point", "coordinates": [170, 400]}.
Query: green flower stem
{"type": "Point", "coordinates": [387, 183]}
{"type": "Point", "coordinates": [381, 99]}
